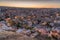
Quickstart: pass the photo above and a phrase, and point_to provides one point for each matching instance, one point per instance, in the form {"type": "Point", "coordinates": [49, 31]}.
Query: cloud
{"type": "Point", "coordinates": [29, 0]}
{"type": "Point", "coordinates": [31, 3]}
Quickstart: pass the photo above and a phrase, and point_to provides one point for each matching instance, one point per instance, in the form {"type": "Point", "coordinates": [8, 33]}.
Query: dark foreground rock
{"type": "Point", "coordinates": [19, 36]}
{"type": "Point", "coordinates": [13, 36]}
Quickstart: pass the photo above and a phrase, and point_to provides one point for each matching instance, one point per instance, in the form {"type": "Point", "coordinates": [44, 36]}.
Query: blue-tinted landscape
{"type": "Point", "coordinates": [29, 23]}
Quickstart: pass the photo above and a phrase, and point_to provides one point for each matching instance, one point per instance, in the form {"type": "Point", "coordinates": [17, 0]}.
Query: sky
{"type": "Point", "coordinates": [31, 3]}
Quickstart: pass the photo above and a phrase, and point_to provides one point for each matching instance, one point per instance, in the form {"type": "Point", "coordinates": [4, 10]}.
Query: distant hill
{"type": "Point", "coordinates": [28, 11]}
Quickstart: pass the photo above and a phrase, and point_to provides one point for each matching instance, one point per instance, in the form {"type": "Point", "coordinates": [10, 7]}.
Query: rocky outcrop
{"type": "Point", "coordinates": [13, 36]}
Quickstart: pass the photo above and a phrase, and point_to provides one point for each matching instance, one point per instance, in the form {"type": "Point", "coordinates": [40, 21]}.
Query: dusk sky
{"type": "Point", "coordinates": [31, 3]}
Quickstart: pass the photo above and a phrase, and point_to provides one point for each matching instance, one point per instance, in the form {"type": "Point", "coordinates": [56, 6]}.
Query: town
{"type": "Point", "coordinates": [33, 22]}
